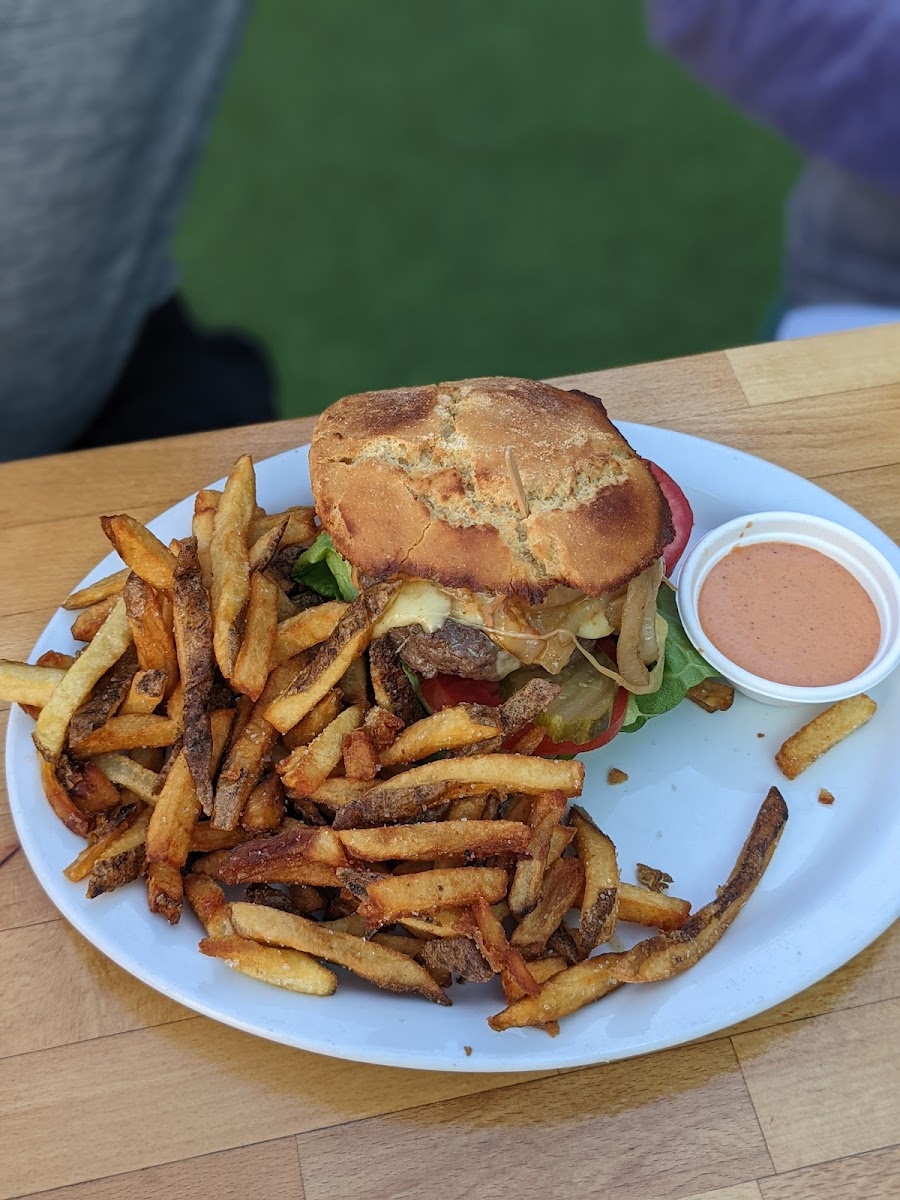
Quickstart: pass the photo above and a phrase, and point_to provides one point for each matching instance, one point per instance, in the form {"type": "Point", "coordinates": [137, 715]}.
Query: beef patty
{"type": "Point", "coordinates": [454, 649]}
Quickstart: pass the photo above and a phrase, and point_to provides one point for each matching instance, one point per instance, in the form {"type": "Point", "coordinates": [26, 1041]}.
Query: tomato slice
{"type": "Point", "coordinates": [682, 515]}
{"type": "Point", "coordinates": [443, 691]}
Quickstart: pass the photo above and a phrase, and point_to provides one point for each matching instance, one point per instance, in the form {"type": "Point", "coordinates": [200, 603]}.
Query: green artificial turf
{"type": "Point", "coordinates": [397, 192]}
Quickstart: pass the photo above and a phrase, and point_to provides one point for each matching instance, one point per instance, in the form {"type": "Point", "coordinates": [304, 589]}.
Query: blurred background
{"type": "Point", "coordinates": [396, 193]}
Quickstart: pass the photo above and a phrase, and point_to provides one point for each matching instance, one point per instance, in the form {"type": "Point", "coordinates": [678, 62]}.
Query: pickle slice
{"type": "Point", "coordinates": [581, 710]}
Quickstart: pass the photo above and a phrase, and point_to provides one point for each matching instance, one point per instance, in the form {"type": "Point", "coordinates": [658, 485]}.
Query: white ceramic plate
{"type": "Point", "coordinates": [695, 783]}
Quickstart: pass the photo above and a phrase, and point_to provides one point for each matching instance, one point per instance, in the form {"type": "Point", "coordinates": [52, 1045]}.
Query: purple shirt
{"type": "Point", "coordinates": [825, 73]}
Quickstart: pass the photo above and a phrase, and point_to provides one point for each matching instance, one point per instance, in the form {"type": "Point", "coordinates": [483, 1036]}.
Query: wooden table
{"type": "Point", "coordinates": [108, 1089]}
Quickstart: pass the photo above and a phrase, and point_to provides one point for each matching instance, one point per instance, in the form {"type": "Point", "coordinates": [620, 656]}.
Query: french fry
{"type": "Point", "coordinates": [61, 802]}
{"type": "Point", "coordinates": [125, 772]}
{"type": "Point", "coordinates": [599, 905]}
{"type": "Point", "coordinates": [333, 794]}
{"type": "Point", "coordinates": [192, 622]}
{"type": "Point", "coordinates": [562, 884]}
{"type": "Point", "coordinates": [84, 862]}
{"type": "Point", "coordinates": [300, 530]}
{"type": "Point", "coordinates": [208, 841]}
{"type": "Point", "coordinates": [309, 766]}
{"type": "Point", "coordinates": [360, 755]}
{"type": "Point", "coordinates": [390, 897]}
{"type": "Point", "coordinates": [284, 968]}
{"type": "Point", "coordinates": [653, 909]}
{"type": "Point", "coordinates": [353, 684]}
{"type": "Point", "coordinates": [151, 630]}
{"type": "Point", "coordinates": [145, 693]}
{"type": "Point", "coordinates": [88, 622]}
{"type": "Point", "coordinates": [449, 729]}
{"type": "Point", "coordinates": [140, 550]}
{"type": "Point", "coordinates": [446, 957]}
{"type": "Point", "coordinates": [542, 969]}
{"type": "Point", "coordinates": [823, 733]}
{"type": "Point", "coordinates": [712, 695]}
{"type": "Point", "coordinates": [115, 870]}
{"type": "Point", "coordinates": [22, 683]}
{"type": "Point", "coordinates": [547, 811]}
{"type": "Point", "coordinates": [205, 505]}
{"type": "Point", "coordinates": [560, 839]}
{"type": "Point", "coordinates": [382, 727]}
{"type": "Point", "coordinates": [246, 755]}
{"type": "Point", "coordinates": [89, 787]}
{"type": "Point", "coordinates": [93, 593]}
{"type": "Point", "coordinates": [565, 992]}
{"type": "Point", "coordinates": [390, 684]}
{"type": "Point", "coordinates": [265, 806]}
{"type": "Point", "coordinates": [316, 720]}
{"type": "Point", "coordinates": [668, 954]}
{"type": "Point", "coordinates": [306, 628]}
{"type": "Point", "coordinates": [98, 656]}
{"type": "Point", "coordinates": [445, 923]}
{"type": "Point", "coordinates": [431, 839]}
{"type": "Point", "coordinates": [286, 856]}
{"type": "Point", "coordinates": [382, 966]}
{"type": "Point", "coordinates": [229, 555]}
{"type": "Point", "coordinates": [127, 733]}
{"type": "Point", "coordinates": [171, 826]}
{"type": "Point", "coordinates": [54, 658]}
{"type": "Point", "coordinates": [251, 668]}
{"type": "Point", "coordinates": [377, 807]}
{"type": "Point", "coordinates": [506, 772]}
{"type": "Point", "coordinates": [349, 640]}
{"type": "Point", "coordinates": [262, 549]}
{"type": "Point", "coordinates": [105, 699]}
{"type": "Point", "coordinates": [506, 960]}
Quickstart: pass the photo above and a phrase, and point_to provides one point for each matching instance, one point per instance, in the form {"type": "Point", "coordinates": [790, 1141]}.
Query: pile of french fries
{"type": "Point", "coordinates": [271, 765]}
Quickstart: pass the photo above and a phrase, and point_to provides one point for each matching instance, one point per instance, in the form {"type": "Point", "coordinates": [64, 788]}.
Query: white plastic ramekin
{"type": "Point", "coordinates": [863, 561]}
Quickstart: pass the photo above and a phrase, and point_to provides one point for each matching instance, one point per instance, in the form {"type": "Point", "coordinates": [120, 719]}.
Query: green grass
{"type": "Point", "coordinates": [397, 192]}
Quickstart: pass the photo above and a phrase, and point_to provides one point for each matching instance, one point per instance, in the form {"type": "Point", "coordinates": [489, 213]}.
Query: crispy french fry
{"type": "Point", "coordinates": [547, 811]}
{"type": "Point", "coordinates": [229, 555]}
{"type": "Point", "coordinates": [300, 529]}
{"type": "Point", "coordinates": [54, 658]}
{"type": "Point", "coordinates": [390, 897]}
{"type": "Point", "coordinates": [506, 960]}
{"type": "Point", "coordinates": [171, 826]}
{"type": "Point", "coordinates": [246, 755]}
{"type": "Point", "coordinates": [315, 722]}
{"type": "Point", "coordinates": [89, 620]}
{"type": "Point", "coordinates": [599, 905]}
{"type": "Point", "coordinates": [115, 870]}
{"type": "Point", "coordinates": [192, 621]}
{"type": "Point", "coordinates": [353, 684]}
{"type": "Point", "coordinates": [100, 589]}
{"type": "Point", "coordinates": [431, 839]}
{"type": "Point", "coordinates": [349, 640]}
{"type": "Point", "coordinates": [563, 883]}
{"type": "Point", "coordinates": [333, 793]}
{"type": "Point", "coordinates": [360, 755]}
{"type": "Point", "coordinates": [449, 729]}
{"type": "Point", "coordinates": [713, 695]}
{"type": "Point", "coordinates": [265, 806]}
{"type": "Point", "coordinates": [446, 923]}
{"type": "Point", "coordinates": [654, 909]}
{"type": "Point", "coordinates": [309, 766]}
{"type": "Point", "coordinates": [208, 841]}
{"type": "Point", "coordinates": [262, 549]}
{"type": "Point", "coordinates": [560, 839]}
{"type": "Point", "coordinates": [22, 683]}
{"type": "Point", "coordinates": [151, 630]}
{"type": "Point", "coordinates": [668, 954]}
{"type": "Point", "coordinates": [105, 699]}
{"type": "Point", "coordinates": [84, 863]}
{"type": "Point", "coordinates": [209, 905]}
{"type": "Point", "coordinates": [127, 733]}
{"type": "Point", "coordinates": [564, 993]}
{"type": "Point", "coordinates": [376, 807]}
{"type": "Point", "coordinates": [542, 969]}
{"type": "Point", "coordinates": [382, 727]}
{"type": "Point", "coordinates": [306, 628]}
{"type": "Point", "coordinates": [205, 506]}
{"type": "Point", "coordinates": [140, 550]}
{"type": "Point", "coordinates": [251, 668]}
{"type": "Point", "coordinates": [286, 856]}
{"type": "Point", "coordinates": [61, 802]}
{"type": "Point", "coordinates": [507, 772]}
{"type": "Point", "coordinates": [91, 790]}
{"type": "Point", "coordinates": [823, 733]}
{"type": "Point", "coordinates": [382, 966]}
{"type": "Point", "coordinates": [98, 656]}
{"type": "Point", "coordinates": [390, 684]}
{"type": "Point", "coordinates": [144, 694]}
{"type": "Point", "coordinates": [125, 772]}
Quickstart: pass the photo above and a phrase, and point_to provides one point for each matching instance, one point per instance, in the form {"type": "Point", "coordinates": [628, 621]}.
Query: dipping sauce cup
{"type": "Point", "coordinates": [867, 565]}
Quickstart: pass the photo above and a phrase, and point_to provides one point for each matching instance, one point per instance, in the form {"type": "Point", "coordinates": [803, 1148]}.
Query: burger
{"type": "Point", "coordinates": [529, 539]}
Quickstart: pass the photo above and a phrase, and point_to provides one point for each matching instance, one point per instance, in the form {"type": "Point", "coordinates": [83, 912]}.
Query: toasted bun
{"type": "Point", "coordinates": [418, 481]}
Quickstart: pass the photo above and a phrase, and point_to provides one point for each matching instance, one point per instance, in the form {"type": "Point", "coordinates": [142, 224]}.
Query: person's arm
{"type": "Point", "coordinates": [825, 73]}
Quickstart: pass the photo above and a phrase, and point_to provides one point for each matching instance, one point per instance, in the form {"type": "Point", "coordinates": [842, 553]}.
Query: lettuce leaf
{"type": "Point", "coordinates": [684, 668]}
{"type": "Point", "coordinates": [325, 571]}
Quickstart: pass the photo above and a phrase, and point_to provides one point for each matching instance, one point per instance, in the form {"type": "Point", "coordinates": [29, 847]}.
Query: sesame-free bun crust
{"type": "Point", "coordinates": [416, 481]}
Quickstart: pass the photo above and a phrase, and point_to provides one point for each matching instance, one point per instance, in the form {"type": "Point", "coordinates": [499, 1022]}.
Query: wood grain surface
{"type": "Point", "coordinates": [109, 1089]}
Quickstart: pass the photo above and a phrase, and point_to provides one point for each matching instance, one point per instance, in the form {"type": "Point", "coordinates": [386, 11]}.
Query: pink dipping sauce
{"type": "Point", "coordinates": [790, 614]}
